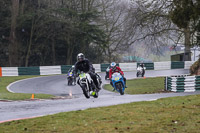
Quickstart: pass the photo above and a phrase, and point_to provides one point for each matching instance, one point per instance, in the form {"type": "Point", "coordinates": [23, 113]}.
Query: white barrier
{"type": "Point", "coordinates": [50, 70]}
{"type": "Point", "coordinates": [188, 64]}
{"type": "Point", "coordinates": [128, 66]}
{"type": "Point", "coordinates": [182, 84]}
{"type": "Point", "coordinates": [10, 71]}
{"type": "Point", "coordinates": [162, 65]}
{"type": "Point", "coordinates": [97, 67]}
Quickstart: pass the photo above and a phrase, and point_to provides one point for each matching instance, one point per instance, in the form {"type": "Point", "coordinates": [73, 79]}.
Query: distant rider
{"type": "Point", "coordinates": [115, 68]}
{"type": "Point", "coordinates": [83, 64]}
{"type": "Point", "coordinates": [72, 69]}
{"type": "Point", "coordinates": [143, 68]}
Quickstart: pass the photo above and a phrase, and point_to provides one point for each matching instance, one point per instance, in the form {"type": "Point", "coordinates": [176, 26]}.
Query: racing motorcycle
{"type": "Point", "coordinates": [87, 85]}
{"type": "Point", "coordinates": [118, 83]}
{"type": "Point", "coordinates": [71, 78]}
{"type": "Point", "coordinates": [140, 71]}
{"type": "Point", "coordinates": [107, 73]}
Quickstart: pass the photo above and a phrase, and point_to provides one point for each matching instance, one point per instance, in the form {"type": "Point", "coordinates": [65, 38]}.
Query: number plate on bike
{"type": "Point", "coordinates": [82, 75]}
{"type": "Point", "coordinates": [117, 78]}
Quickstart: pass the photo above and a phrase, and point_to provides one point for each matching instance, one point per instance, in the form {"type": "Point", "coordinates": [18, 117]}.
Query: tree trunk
{"type": "Point", "coordinates": [69, 56]}
{"type": "Point", "coordinates": [70, 50]}
{"type": "Point", "coordinates": [30, 44]}
{"type": "Point", "coordinates": [22, 7]}
{"type": "Point", "coordinates": [53, 52]}
{"type": "Point", "coordinates": [13, 46]}
{"type": "Point", "coordinates": [109, 55]}
{"type": "Point", "coordinates": [187, 34]}
{"type": "Point", "coordinates": [83, 5]}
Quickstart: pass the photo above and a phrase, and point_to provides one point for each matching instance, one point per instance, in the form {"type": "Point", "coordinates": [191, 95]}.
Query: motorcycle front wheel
{"type": "Point", "coordinates": [86, 91]}
{"type": "Point", "coordinates": [119, 87]}
{"type": "Point", "coordinates": [70, 82]}
{"type": "Point", "coordinates": [137, 74]}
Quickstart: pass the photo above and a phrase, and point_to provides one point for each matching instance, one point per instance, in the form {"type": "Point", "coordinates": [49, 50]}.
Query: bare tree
{"type": "Point", "coordinates": [114, 16]}
{"type": "Point", "coordinates": [13, 46]}
{"type": "Point", "coordinates": [151, 23]}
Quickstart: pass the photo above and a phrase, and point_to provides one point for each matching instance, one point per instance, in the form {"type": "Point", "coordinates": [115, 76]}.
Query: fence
{"type": "Point", "coordinates": [63, 69]}
{"type": "Point", "coordinates": [183, 83]}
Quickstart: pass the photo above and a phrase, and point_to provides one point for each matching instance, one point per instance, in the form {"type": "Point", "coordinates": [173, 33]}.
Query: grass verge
{"type": "Point", "coordinates": [178, 114]}
{"type": "Point", "coordinates": [6, 95]}
{"type": "Point", "coordinates": [142, 86]}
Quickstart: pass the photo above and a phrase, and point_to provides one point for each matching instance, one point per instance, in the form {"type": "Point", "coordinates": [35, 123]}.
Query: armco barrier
{"type": "Point", "coordinates": [10, 71]}
{"type": "Point", "coordinates": [29, 70]}
{"type": "Point", "coordinates": [128, 66]}
{"type": "Point", "coordinates": [50, 70]}
{"type": "Point", "coordinates": [188, 64]}
{"type": "Point", "coordinates": [177, 65]}
{"type": "Point", "coordinates": [63, 69]}
{"type": "Point", "coordinates": [182, 84]}
{"type": "Point", "coordinates": [105, 66]}
{"type": "Point", "coordinates": [97, 67]}
{"type": "Point", "coordinates": [0, 72]}
{"type": "Point", "coordinates": [149, 66]}
{"type": "Point", "coordinates": [162, 65]}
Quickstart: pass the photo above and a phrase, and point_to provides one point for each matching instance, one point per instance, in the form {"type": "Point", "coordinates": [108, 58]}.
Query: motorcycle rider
{"type": "Point", "coordinates": [143, 68]}
{"type": "Point", "coordinates": [114, 68]}
{"type": "Point", "coordinates": [72, 69]}
{"type": "Point", "coordinates": [83, 64]}
{"type": "Point", "coordinates": [107, 72]}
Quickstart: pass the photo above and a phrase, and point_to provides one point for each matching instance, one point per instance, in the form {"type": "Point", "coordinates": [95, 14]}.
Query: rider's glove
{"type": "Point", "coordinates": [122, 74]}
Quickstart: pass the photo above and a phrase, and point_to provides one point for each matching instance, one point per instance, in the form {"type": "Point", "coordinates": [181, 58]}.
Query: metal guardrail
{"type": "Point", "coordinates": [63, 69]}
{"type": "Point", "coordinates": [182, 83]}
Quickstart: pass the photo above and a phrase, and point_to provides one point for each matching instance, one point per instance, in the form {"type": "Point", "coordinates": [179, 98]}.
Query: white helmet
{"type": "Point", "coordinates": [80, 57]}
{"type": "Point", "coordinates": [113, 65]}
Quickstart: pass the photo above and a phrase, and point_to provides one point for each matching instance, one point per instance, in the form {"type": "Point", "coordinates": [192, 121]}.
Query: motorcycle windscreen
{"type": "Point", "coordinates": [82, 75]}
{"type": "Point", "coordinates": [116, 76]}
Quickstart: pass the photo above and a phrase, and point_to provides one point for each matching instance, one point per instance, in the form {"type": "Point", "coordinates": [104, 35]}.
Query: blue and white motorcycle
{"type": "Point", "coordinates": [118, 83]}
{"type": "Point", "coordinates": [71, 78]}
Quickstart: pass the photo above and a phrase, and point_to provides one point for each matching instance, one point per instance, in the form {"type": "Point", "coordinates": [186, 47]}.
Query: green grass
{"type": "Point", "coordinates": [136, 86]}
{"type": "Point", "coordinates": [6, 95]}
{"type": "Point", "coordinates": [142, 86]}
{"type": "Point", "coordinates": [178, 114]}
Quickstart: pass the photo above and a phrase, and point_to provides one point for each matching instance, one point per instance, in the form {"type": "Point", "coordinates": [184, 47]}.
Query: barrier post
{"type": "Point", "coordinates": [0, 72]}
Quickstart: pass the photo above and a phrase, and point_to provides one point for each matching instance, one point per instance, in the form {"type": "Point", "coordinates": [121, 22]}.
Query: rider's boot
{"type": "Point", "coordinates": [92, 86]}
{"type": "Point", "coordinates": [98, 88]}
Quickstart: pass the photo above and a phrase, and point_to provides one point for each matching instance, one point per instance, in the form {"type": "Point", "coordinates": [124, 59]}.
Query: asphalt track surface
{"type": "Point", "coordinates": [72, 96]}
